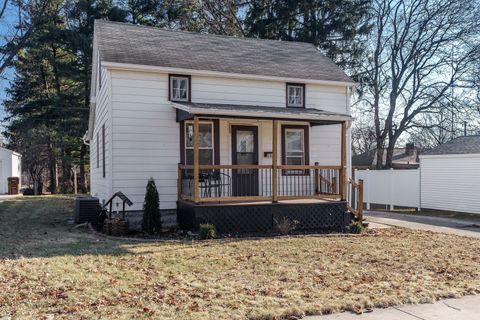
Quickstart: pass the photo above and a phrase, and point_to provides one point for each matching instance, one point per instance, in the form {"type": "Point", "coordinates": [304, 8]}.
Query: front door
{"type": "Point", "coordinates": [245, 151]}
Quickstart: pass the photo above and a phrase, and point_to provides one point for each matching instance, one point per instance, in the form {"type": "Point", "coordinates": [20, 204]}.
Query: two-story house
{"type": "Point", "coordinates": [233, 130]}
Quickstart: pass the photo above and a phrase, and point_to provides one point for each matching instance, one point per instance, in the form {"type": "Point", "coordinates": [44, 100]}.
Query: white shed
{"type": "Point", "coordinates": [450, 176]}
{"type": "Point", "coordinates": [10, 166]}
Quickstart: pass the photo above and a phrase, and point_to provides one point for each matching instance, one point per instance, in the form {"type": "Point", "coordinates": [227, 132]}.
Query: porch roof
{"type": "Point", "coordinates": [187, 110]}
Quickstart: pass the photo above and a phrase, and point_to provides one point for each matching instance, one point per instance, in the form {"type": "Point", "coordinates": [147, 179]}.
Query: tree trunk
{"type": "Point", "coordinates": [379, 155]}
{"type": "Point", "coordinates": [66, 174]}
{"type": "Point", "coordinates": [389, 157]}
{"type": "Point", "coordinates": [52, 167]}
{"type": "Point", "coordinates": [392, 141]}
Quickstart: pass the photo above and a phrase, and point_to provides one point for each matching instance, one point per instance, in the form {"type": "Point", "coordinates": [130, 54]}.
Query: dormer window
{"type": "Point", "coordinates": [179, 88]}
{"type": "Point", "coordinates": [296, 95]}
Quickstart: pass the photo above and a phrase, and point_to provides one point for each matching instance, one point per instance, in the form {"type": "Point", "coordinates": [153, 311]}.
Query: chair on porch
{"type": "Point", "coordinates": [214, 182]}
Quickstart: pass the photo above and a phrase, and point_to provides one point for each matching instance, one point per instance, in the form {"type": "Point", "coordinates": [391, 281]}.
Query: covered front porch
{"type": "Point", "coordinates": [271, 166]}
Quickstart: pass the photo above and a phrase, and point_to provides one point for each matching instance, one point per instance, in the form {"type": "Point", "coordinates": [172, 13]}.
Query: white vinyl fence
{"type": "Point", "coordinates": [391, 187]}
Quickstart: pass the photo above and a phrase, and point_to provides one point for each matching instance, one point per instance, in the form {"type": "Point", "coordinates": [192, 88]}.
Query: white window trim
{"type": "Point", "coordinates": [295, 105]}
{"type": "Point", "coordinates": [187, 123]}
{"type": "Point", "coordinates": [303, 145]}
{"type": "Point", "coordinates": [187, 79]}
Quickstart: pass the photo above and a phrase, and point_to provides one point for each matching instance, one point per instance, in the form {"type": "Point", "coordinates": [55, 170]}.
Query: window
{"type": "Point", "coordinates": [295, 95]}
{"type": "Point", "coordinates": [205, 143]}
{"type": "Point", "coordinates": [295, 147]}
{"type": "Point", "coordinates": [179, 88]}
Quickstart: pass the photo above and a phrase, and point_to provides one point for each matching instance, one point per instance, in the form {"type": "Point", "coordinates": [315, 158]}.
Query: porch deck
{"type": "Point", "coordinates": [263, 216]}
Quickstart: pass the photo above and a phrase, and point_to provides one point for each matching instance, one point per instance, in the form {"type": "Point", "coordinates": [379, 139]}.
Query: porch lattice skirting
{"type": "Point", "coordinates": [261, 218]}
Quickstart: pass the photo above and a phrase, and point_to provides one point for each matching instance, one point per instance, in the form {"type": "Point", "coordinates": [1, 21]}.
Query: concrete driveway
{"type": "Point", "coordinates": [445, 225]}
{"type": "Point", "coordinates": [466, 308]}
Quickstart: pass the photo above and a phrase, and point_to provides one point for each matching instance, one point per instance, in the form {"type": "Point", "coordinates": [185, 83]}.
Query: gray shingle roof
{"type": "Point", "coordinates": [460, 145]}
{"type": "Point", "coordinates": [262, 111]}
{"type": "Point", "coordinates": [127, 43]}
{"type": "Point", "coordinates": [399, 157]}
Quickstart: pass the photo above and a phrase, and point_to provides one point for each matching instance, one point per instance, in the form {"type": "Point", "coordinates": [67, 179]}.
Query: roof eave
{"type": "Point", "coordinates": [452, 155]}
{"type": "Point", "coordinates": [262, 114]}
{"type": "Point", "coordinates": [151, 68]}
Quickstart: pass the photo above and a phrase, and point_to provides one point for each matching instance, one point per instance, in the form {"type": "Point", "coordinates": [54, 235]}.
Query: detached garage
{"type": "Point", "coordinates": [450, 176]}
{"type": "Point", "coordinates": [10, 166]}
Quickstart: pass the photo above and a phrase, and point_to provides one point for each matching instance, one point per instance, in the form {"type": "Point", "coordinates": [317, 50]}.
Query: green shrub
{"type": "Point", "coordinates": [207, 231]}
{"type": "Point", "coordinates": [356, 227]}
{"type": "Point", "coordinates": [151, 209]}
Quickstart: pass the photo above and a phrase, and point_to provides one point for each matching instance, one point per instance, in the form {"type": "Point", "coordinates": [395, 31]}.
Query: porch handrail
{"type": "Point", "coordinates": [355, 198]}
{"type": "Point", "coordinates": [257, 166]}
{"type": "Point", "coordinates": [292, 182]}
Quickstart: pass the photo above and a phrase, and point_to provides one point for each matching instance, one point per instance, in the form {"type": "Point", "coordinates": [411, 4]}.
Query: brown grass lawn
{"type": "Point", "coordinates": [46, 269]}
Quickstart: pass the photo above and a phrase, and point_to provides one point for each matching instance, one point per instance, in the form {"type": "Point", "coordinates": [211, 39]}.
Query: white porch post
{"type": "Point", "coordinates": [343, 170]}
{"type": "Point", "coordinates": [274, 161]}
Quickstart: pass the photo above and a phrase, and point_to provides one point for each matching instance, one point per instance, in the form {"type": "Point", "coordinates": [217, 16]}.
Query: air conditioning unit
{"type": "Point", "coordinates": [86, 210]}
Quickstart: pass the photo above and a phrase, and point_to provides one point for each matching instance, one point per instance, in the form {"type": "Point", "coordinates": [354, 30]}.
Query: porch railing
{"type": "Point", "coordinates": [224, 183]}
{"type": "Point", "coordinates": [355, 198]}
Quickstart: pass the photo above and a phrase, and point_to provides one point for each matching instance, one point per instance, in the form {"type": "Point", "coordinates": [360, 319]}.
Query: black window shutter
{"type": "Point", "coordinates": [103, 149]}
{"type": "Point", "coordinates": [97, 142]}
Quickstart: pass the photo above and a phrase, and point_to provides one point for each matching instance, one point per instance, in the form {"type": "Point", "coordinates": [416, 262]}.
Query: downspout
{"type": "Point", "coordinates": [85, 139]}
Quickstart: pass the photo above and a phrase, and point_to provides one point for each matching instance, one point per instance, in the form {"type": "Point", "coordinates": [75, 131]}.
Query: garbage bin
{"type": "Point", "coordinates": [13, 185]}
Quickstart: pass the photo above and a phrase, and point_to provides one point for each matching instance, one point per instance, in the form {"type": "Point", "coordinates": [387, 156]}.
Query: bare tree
{"type": "Point", "coordinates": [363, 137]}
{"type": "Point", "coordinates": [221, 16]}
{"type": "Point", "coordinates": [420, 50]}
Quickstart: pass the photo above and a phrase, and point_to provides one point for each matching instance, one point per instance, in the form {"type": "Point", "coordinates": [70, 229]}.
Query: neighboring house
{"type": "Point", "coordinates": [10, 166]}
{"type": "Point", "coordinates": [217, 119]}
{"type": "Point", "coordinates": [450, 176]}
{"type": "Point", "coordinates": [403, 158]}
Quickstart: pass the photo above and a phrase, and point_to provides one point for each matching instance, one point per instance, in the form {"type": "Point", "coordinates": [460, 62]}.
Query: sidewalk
{"type": "Point", "coordinates": [4, 197]}
{"type": "Point", "coordinates": [436, 224]}
{"type": "Point", "coordinates": [466, 308]}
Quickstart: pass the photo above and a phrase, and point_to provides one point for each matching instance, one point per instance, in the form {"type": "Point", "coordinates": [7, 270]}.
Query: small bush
{"type": "Point", "coordinates": [151, 209]}
{"type": "Point", "coordinates": [285, 225]}
{"type": "Point", "coordinates": [356, 227]}
{"type": "Point", "coordinates": [207, 231]}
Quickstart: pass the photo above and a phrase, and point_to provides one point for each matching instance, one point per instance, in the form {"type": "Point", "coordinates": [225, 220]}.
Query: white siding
{"type": "Point", "coordinates": [325, 145]}
{"type": "Point", "coordinates": [450, 182]}
{"type": "Point", "coordinates": [146, 138]}
{"type": "Point", "coordinates": [101, 186]}
{"type": "Point", "coordinates": [265, 93]}
{"type": "Point", "coordinates": [328, 98]}
{"type": "Point", "coordinates": [16, 166]}
{"type": "Point", "coordinates": [10, 166]}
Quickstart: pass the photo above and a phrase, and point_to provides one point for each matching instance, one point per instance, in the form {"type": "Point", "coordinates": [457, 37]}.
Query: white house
{"type": "Point", "coordinates": [10, 166]}
{"type": "Point", "coordinates": [450, 176]}
{"type": "Point", "coordinates": [273, 119]}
